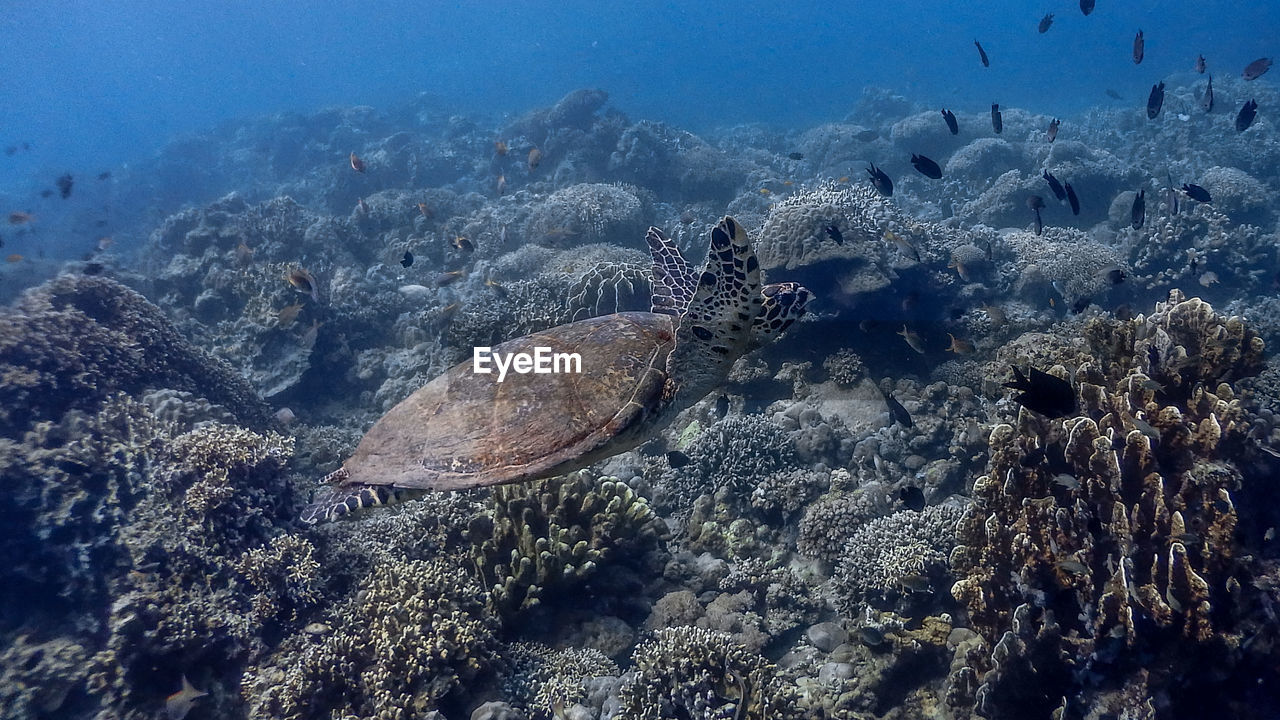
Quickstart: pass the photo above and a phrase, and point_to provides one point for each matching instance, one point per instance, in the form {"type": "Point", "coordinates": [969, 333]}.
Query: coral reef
{"type": "Point", "coordinates": [547, 537]}
{"type": "Point", "coordinates": [1102, 545]}
{"type": "Point", "coordinates": [541, 678]}
{"type": "Point", "coordinates": [692, 672]}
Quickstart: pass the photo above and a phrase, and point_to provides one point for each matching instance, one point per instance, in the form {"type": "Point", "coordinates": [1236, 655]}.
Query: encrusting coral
{"type": "Point", "coordinates": [1101, 545]}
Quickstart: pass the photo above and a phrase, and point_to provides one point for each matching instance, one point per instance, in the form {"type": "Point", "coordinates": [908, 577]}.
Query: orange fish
{"type": "Point", "coordinates": [303, 281]}
{"type": "Point", "coordinates": [960, 347]}
{"type": "Point", "coordinates": [356, 163]}
{"type": "Point", "coordinates": [14, 258]}
{"type": "Point", "coordinates": [19, 218]}
{"type": "Point", "coordinates": [842, 179]}
{"type": "Point", "coordinates": [500, 147]}
{"type": "Point", "coordinates": [535, 157]}
{"type": "Point", "coordinates": [766, 191]}
{"type": "Point", "coordinates": [426, 211]}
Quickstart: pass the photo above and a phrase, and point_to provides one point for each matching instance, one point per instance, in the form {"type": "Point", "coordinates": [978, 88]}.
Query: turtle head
{"type": "Point", "coordinates": [784, 303]}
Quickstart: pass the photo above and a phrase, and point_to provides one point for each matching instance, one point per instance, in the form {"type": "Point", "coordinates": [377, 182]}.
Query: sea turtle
{"type": "Point", "coordinates": [638, 370]}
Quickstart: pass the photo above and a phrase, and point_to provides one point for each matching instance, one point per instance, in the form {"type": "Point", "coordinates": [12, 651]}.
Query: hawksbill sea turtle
{"type": "Point", "coordinates": [639, 369]}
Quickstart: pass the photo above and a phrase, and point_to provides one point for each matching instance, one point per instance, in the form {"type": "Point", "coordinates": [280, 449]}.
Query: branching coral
{"type": "Point", "coordinates": [692, 672]}
{"type": "Point", "coordinates": [888, 552]}
{"type": "Point", "coordinates": [1109, 535]}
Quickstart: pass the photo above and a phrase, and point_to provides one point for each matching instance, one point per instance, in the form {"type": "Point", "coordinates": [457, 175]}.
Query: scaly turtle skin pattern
{"type": "Point", "coordinates": [639, 369]}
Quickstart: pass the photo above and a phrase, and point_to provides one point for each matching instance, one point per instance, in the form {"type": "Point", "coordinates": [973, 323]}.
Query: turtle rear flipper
{"type": "Point", "coordinates": [336, 501]}
{"type": "Point", "coordinates": [716, 327]}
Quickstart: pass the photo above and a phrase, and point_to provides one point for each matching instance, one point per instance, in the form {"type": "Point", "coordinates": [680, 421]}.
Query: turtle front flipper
{"type": "Point", "coordinates": [336, 501]}
{"type": "Point", "coordinates": [673, 280]}
{"type": "Point", "coordinates": [716, 328]}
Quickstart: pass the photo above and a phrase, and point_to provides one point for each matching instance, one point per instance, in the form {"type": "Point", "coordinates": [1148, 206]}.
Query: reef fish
{"type": "Point", "coordinates": [722, 407]}
{"type": "Point", "coordinates": [960, 347]}
{"type": "Point", "coordinates": [1052, 132]}
{"type": "Point", "coordinates": [407, 260]}
{"type": "Point", "coordinates": [1255, 69]}
{"type": "Point", "coordinates": [913, 339]}
{"type": "Point", "coordinates": [927, 167]}
{"type": "Point", "coordinates": [1043, 393]}
{"type": "Point", "coordinates": [677, 459]}
{"type": "Point", "coordinates": [303, 281]}
{"type": "Point", "coordinates": [982, 54]}
{"type": "Point", "coordinates": [1138, 213]}
{"type": "Point", "coordinates": [535, 158]}
{"type": "Point", "coordinates": [1155, 100]}
{"type": "Point", "coordinates": [1046, 22]}
{"type": "Point", "coordinates": [997, 122]}
{"type": "Point", "coordinates": [796, 156]}
{"type": "Point", "coordinates": [880, 181]}
{"type": "Point", "coordinates": [356, 163]}
{"type": "Point", "coordinates": [897, 412]}
{"type": "Point", "coordinates": [1206, 102]}
{"type": "Point", "coordinates": [1072, 199]}
{"type": "Point", "coordinates": [1055, 186]}
{"type": "Point", "coordinates": [912, 497]}
{"type": "Point", "coordinates": [1197, 193]}
{"type": "Point", "coordinates": [1036, 203]}
{"type": "Point", "coordinates": [448, 278]}
{"type": "Point", "coordinates": [64, 184]}
{"type": "Point", "coordinates": [1243, 119]}
{"type": "Point", "coordinates": [177, 705]}
{"type": "Point", "coordinates": [834, 233]}
{"type": "Point", "coordinates": [500, 147]}
{"type": "Point", "coordinates": [463, 244]}
{"type": "Point", "coordinates": [20, 218]}
{"type": "Point", "coordinates": [1200, 64]}
{"type": "Point", "coordinates": [1139, 48]}
{"type": "Point", "coordinates": [950, 118]}
{"type": "Point", "coordinates": [1086, 6]}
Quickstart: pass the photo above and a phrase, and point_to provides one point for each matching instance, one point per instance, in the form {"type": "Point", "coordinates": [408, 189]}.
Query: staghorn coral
{"type": "Point", "coordinates": [414, 633]}
{"type": "Point", "coordinates": [547, 537]}
{"type": "Point", "coordinates": [692, 672]}
{"type": "Point", "coordinates": [1130, 562]}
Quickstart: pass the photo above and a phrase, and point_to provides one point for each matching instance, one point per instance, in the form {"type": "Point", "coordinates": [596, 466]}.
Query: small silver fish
{"type": "Point", "coordinates": [177, 705]}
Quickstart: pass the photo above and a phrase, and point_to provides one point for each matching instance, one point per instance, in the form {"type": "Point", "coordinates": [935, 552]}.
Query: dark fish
{"type": "Point", "coordinates": [927, 167]}
{"type": "Point", "coordinates": [1114, 95]}
{"type": "Point", "coordinates": [104, 175]}
{"type": "Point", "coordinates": [950, 119]}
{"type": "Point", "coordinates": [1200, 64]}
{"type": "Point", "coordinates": [796, 156]}
{"type": "Point", "coordinates": [677, 459]}
{"type": "Point", "coordinates": [897, 412]}
{"type": "Point", "coordinates": [1138, 214]}
{"type": "Point", "coordinates": [912, 497]}
{"type": "Point", "coordinates": [407, 260]}
{"type": "Point", "coordinates": [834, 233]}
{"type": "Point", "coordinates": [1086, 6]}
{"type": "Point", "coordinates": [463, 244]}
{"type": "Point", "coordinates": [46, 193]}
{"type": "Point", "coordinates": [1256, 68]}
{"type": "Point", "coordinates": [880, 181]}
{"type": "Point", "coordinates": [1045, 23]}
{"type": "Point", "coordinates": [1055, 186]}
{"type": "Point", "coordinates": [1206, 102]}
{"type": "Point", "coordinates": [1043, 393]}
{"type": "Point", "coordinates": [356, 163]}
{"type": "Point", "coordinates": [722, 406]}
{"type": "Point", "coordinates": [1155, 100]}
{"type": "Point", "coordinates": [1081, 304]}
{"type": "Point", "coordinates": [64, 184]}
{"type": "Point", "coordinates": [1036, 203]}
{"type": "Point", "coordinates": [1197, 193]}
{"type": "Point", "coordinates": [997, 123]}
{"type": "Point", "coordinates": [1139, 48]}
{"type": "Point", "coordinates": [92, 268]}
{"type": "Point", "coordinates": [304, 282]}
{"type": "Point", "coordinates": [1071, 198]}
{"type": "Point", "coordinates": [1246, 115]}
{"type": "Point", "coordinates": [1052, 132]}
{"type": "Point", "coordinates": [982, 54]}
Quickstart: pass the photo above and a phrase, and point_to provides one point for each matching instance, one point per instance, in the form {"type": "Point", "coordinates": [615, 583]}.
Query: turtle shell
{"type": "Point", "coordinates": [465, 429]}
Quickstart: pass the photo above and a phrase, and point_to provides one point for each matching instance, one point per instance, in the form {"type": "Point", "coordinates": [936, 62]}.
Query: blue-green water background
{"type": "Point", "coordinates": [92, 85]}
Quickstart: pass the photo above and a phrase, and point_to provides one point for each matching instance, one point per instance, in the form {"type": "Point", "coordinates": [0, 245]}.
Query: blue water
{"type": "Point", "coordinates": [95, 85]}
